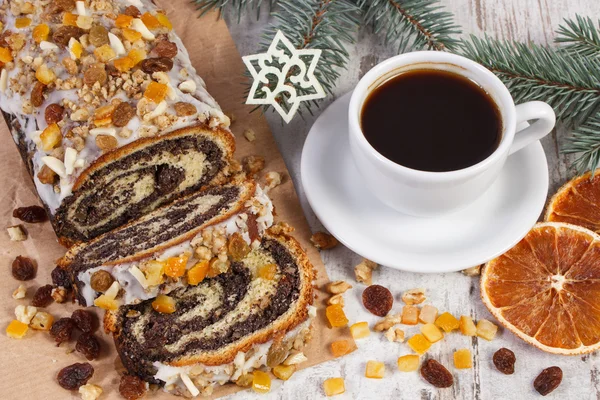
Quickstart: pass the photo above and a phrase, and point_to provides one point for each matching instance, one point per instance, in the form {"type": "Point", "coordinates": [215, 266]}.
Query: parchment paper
{"type": "Point", "coordinates": [28, 367]}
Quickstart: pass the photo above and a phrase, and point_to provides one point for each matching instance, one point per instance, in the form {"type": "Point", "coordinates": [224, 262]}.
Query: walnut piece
{"type": "Point", "coordinates": [272, 179]}
{"type": "Point", "coordinates": [253, 164]}
{"type": "Point", "coordinates": [24, 314]}
{"type": "Point", "coordinates": [336, 299]}
{"type": "Point", "coordinates": [17, 233]}
{"type": "Point", "coordinates": [364, 271]}
{"type": "Point", "coordinates": [46, 175]}
{"type": "Point", "coordinates": [323, 241]}
{"type": "Point", "coordinates": [473, 271]}
{"type": "Point", "coordinates": [387, 322]}
{"type": "Point", "coordinates": [19, 292]}
{"type": "Point", "coordinates": [250, 135]}
{"type": "Point", "coordinates": [394, 335]}
{"type": "Point", "coordinates": [59, 294]}
{"type": "Point", "coordinates": [414, 296]}
{"type": "Point", "coordinates": [90, 392]}
{"type": "Point", "coordinates": [338, 287]}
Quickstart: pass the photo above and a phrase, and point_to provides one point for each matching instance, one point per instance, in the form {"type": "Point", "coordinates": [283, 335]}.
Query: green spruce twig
{"type": "Point", "coordinates": [580, 36]}
{"type": "Point", "coordinates": [412, 24]}
{"type": "Point", "coordinates": [585, 141]}
{"type": "Point", "coordinates": [238, 6]}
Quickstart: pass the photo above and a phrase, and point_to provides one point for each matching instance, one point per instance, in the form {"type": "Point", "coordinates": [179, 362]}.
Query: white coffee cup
{"type": "Point", "coordinates": [424, 193]}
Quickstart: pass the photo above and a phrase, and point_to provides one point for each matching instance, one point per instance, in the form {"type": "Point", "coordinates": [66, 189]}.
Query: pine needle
{"type": "Point", "coordinates": [580, 36]}
{"type": "Point", "coordinates": [239, 6]}
{"type": "Point", "coordinates": [585, 140]}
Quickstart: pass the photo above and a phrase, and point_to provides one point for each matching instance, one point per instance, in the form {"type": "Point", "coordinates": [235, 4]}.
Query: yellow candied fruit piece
{"type": "Point", "coordinates": [284, 372]}
{"type": "Point", "coordinates": [150, 21]}
{"type": "Point", "coordinates": [104, 53]}
{"type": "Point", "coordinates": [156, 92]}
{"type": "Point", "coordinates": [342, 347]}
{"type": "Point", "coordinates": [153, 271]}
{"type": "Point", "coordinates": [261, 382]}
{"type": "Point", "coordinates": [104, 111]}
{"type": "Point", "coordinates": [408, 363]}
{"type": "Point", "coordinates": [164, 21]}
{"type": "Point", "coordinates": [419, 343]}
{"type": "Point", "coordinates": [50, 137]}
{"type": "Point", "coordinates": [45, 75]}
{"type": "Point", "coordinates": [106, 303]}
{"type": "Point", "coordinates": [360, 330]}
{"type": "Point", "coordinates": [84, 22]}
{"type": "Point", "coordinates": [16, 329]}
{"type": "Point", "coordinates": [124, 64]}
{"type": "Point", "coordinates": [428, 314]}
{"type": "Point", "coordinates": [131, 35]}
{"type": "Point", "coordinates": [22, 22]}
{"type": "Point", "coordinates": [462, 359]}
{"type": "Point", "coordinates": [334, 386]}
{"type": "Point", "coordinates": [447, 322]}
{"type": "Point", "coordinates": [410, 315]}
{"type": "Point", "coordinates": [137, 55]}
{"type": "Point", "coordinates": [176, 265]}
{"type": "Point", "coordinates": [267, 271]}
{"type": "Point", "coordinates": [27, 8]}
{"type": "Point", "coordinates": [432, 333]}
{"type": "Point", "coordinates": [336, 316]}
{"type": "Point", "coordinates": [75, 48]}
{"type": "Point", "coordinates": [123, 21]}
{"type": "Point", "coordinates": [197, 273]}
{"type": "Point", "coordinates": [375, 369]}
{"type": "Point", "coordinates": [70, 19]}
{"type": "Point", "coordinates": [467, 326]}
{"type": "Point", "coordinates": [40, 33]}
{"type": "Point", "coordinates": [42, 321]}
{"type": "Point", "coordinates": [5, 55]}
{"type": "Point", "coordinates": [486, 330]}
{"type": "Point", "coordinates": [164, 304]}
{"type": "Point", "coordinates": [237, 247]}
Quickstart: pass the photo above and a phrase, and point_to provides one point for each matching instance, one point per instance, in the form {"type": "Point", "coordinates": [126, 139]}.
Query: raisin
{"type": "Point", "coordinates": [548, 380]}
{"type": "Point", "coordinates": [42, 296]}
{"type": "Point", "coordinates": [63, 5]}
{"type": "Point", "coordinates": [88, 345]}
{"type": "Point", "coordinates": [106, 142]}
{"type": "Point", "coordinates": [95, 73]}
{"type": "Point", "coordinates": [160, 64]}
{"type": "Point", "coordinates": [504, 360]}
{"type": "Point", "coordinates": [183, 109]}
{"type": "Point", "coordinates": [98, 35]}
{"type": "Point", "coordinates": [23, 268]}
{"type": "Point", "coordinates": [164, 48]}
{"type": "Point", "coordinates": [75, 375]}
{"type": "Point", "coordinates": [63, 34]}
{"type": "Point", "coordinates": [37, 94]}
{"type": "Point", "coordinates": [61, 330]}
{"type": "Point", "coordinates": [132, 387]}
{"type": "Point", "coordinates": [46, 175]}
{"type": "Point", "coordinates": [31, 214]}
{"type": "Point", "coordinates": [84, 320]}
{"type": "Point", "coordinates": [61, 278]}
{"type": "Point", "coordinates": [54, 113]}
{"type": "Point", "coordinates": [436, 374]}
{"type": "Point", "coordinates": [378, 300]}
{"type": "Point", "coordinates": [123, 114]}
{"type": "Point", "coordinates": [101, 280]}
{"type": "Point", "coordinates": [132, 11]}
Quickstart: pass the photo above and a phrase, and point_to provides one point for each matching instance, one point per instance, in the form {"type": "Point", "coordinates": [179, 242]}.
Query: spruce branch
{"type": "Point", "coordinates": [585, 140]}
{"type": "Point", "coordinates": [239, 6]}
{"type": "Point", "coordinates": [412, 24]}
{"type": "Point", "coordinates": [580, 36]}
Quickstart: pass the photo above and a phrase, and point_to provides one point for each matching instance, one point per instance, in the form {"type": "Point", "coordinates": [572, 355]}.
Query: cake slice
{"type": "Point", "coordinates": [218, 330]}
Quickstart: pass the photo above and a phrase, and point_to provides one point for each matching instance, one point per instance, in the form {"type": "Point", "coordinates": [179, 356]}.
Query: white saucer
{"type": "Point", "coordinates": [490, 226]}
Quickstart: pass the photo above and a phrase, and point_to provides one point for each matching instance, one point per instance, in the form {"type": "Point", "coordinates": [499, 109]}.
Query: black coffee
{"type": "Point", "coordinates": [432, 120]}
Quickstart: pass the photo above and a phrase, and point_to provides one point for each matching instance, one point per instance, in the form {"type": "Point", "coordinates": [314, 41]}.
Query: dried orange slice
{"type": "Point", "coordinates": [577, 202]}
{"type": "Point", "coordinates": [546, 289]}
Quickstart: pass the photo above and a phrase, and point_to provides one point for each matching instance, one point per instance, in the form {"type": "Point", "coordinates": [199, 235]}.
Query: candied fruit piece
{"type": "Point", "coordinates": [45, 75]}
{"type": "Point", "coordinates": [153, 271]}
{"type": "Point", "coordinates": [197, 273]}
{"type": "Point", "coordinates": [5, 55]}
{"type": "Point", "coordinates": [419, 343]}
{"type": "Point", "coordinates": [137, 55]}
{"type": "Point", "coordinates": [16, 329]}
{"type": "Point", "coordinates": [50, 137]}
{"type": "Point", "coordinates": [267, 271]}
{"type": "Point", "coordinates": [284, 372]}
{"type": "Point", "coordinates": [107, 303]}
{"type": "Point", "coordinates": [486, 330]}
{"type": "Point", "coordinates": [342, 347]}
{"type": "Point", "coordinates": [410, 315]}
{"type": "Point", "coordinates": [334, 386]}
{"type": "Point", "coordinates": [131, 35]}
{"type": "Point", "coordinates": [428, 314]}
{"type": "Point", "coordinates": [164, 304]}
{"type": "Point", "coordinates": [150, 21]}
{"type": "Point", "coordinates": [123, 21]}
{"type": "Point", "coordinates": [156, 92]}
{"type": "Point", "coordinates": [467, 326]}
{"type": "Point", "coordinates": [104, 53]}
{"type": "Point", "coordinates": [175, 266]}
{"type": "Point", "coordinates": [360, 330]}
{"type": "Point", "coordinates": [447, 322]}
{"type": "Point", "coordinates": [22, 22]}
{"type": "Point", "coordinates": [462, 359]}
{"type": "Point", "coordinates": [75, 48]}
{"type": "Point", "coordinates": [70, 19]}
{"type": "Point", "coordinates": [217, 267]}
{"type": "Point", "coordinates": [42, 321]}
{"type": "Point", "coordinates": [84, 22]}
{"type": "Point", "coordinates": [374, 369]}
{"type": "Point", "coordinates": [408, 363]}
{"type": "Point", "coordinates": [261, 382]}
{"type": "Point", "coordinates": [336, 316]}
{"type": "Point", "coordinates": [432, 333]}
{"type": "Point", "coordinates": [237, 247]}
{"type": "Point", "coordinates": [40, 33]}
{"type": "Point", "coordinates": [164, 21]}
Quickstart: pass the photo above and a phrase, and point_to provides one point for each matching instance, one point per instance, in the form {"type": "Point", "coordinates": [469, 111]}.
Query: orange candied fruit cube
{"type": "Point", "coordinates": [150, 21]}
{"type": "Point", "coordinates": [16, 329]}
{"type": "Point", "coordinates": [419, 343]}
{"type": "Point", "coordinates": [410, 315]}
{"type": "Point", "coordinates": [342, 347]}
{"type": "Point", "coordinates": [267, 271]}
{"type": "Point", "coordinates": [123, 21]}
{"type": "Point", "coordinates": [137, 55]}
{"type": "Point", "coordinates": [164, 304]}
{"type": "Point", "coordinates": [176, 265]}
{"type": "Point", "coordinates": [50, 137]}
{"type": "Point", "coordinates": [40, 33]}
{"type": "Point", "coordinates": [462, 359]}
{"type": "Point", "coordinates": [45, 75]}
{"type": "Point", "coordinates": [284, 372]}
{"type": "Point", "coordinates": [408, 363]}
{"type": "Point", "coordinates": [5, 55]}
{"type": "Point", "coordinates": [106, 303]}
{"type": "Point", "coordinates": [374, 369]}
{"type": "Point", "coordinates": [432, 333]}
{"type": "Point", "coordinates": [261, 382]}
{"type": "Point", "coordinates": [486, 330]}
{"type": "Point", "coordinates": [156, 92]}
{"type": "Point", "coordinates": [197, 273]}
{"type": "Point", "coordinates": [334, 386]}
{"type": "Point", "coordinates": [164, 21]}
{"type": "Point", "coordinates": [131, 35]}
{"type": "Point", "coordinates": [467, 326]}
{"type": "Point", "coordinates": [360, 330]}
{"type": "Point", "coordinates": [22, 22]}
{"type": "Point", "coordinates": [336, 316]}
{"type": "Point", "coordinates": [447, 322]}
{"type": "Point", "coordinates": [428, 314]}
{"type": "Point", "coordinates": [104, 53]}
{"type": "Point", "coordinates": [69, 19]}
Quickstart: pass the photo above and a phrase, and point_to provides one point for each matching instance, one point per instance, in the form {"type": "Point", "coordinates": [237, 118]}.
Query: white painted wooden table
{"type": "Point", "coordinates": [534, 20]}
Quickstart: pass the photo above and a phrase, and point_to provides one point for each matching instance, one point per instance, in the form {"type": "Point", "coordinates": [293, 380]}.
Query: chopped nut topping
{"type": "Point", "coordinates": [323, 241]}
{"type": "Point", "coordinates": [24, 314]}
{"type": "Point", "coordinates": [90, 392]}
{"type": "Point", "coordinates": [17, 233]}
{"type": "Point", "coordinates": [336, 299]}
{"type": "Point", "coordinates": [253, 164]}
{"type": "Point", "coordinates": [395, 335]}
{"type": "Point", "coordinates": [273, 179]}
{"type": "Point", "coordinates": [59, 294]}
{"type": "Point", "coordinates": [250, 135]}
{"type": "Point", "coordinates": [473, 271]}
{"type": "Point", "coordinates": [388, 322]}
{"type": "Point", "coordinates": [338, 287]}
{"type": "Point", "coordinates": [19, 292]}
{"type": "Point", "coordinates": [414, 296]}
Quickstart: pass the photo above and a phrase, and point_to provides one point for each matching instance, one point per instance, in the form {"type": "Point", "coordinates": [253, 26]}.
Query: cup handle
{"type": "Point", "coordinates": [543, 113]}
